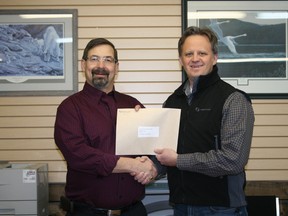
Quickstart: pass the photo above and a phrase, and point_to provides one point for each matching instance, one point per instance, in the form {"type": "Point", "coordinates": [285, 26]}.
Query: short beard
{"type": "Point", "coordinates": [100, 83]}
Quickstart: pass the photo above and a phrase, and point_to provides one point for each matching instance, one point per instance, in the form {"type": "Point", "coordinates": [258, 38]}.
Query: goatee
{"type": "Point", "coordinates": [100, 82]}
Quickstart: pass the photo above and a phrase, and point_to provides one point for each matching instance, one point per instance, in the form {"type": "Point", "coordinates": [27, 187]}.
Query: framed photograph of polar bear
{"type": "Point", "coordinates": [38, 52]}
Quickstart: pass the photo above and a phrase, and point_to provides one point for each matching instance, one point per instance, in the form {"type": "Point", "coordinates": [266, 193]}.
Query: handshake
{"type": "Point", "coordinates": [145, 170]}
{"type": "Point", "coordinates": [142, 168]}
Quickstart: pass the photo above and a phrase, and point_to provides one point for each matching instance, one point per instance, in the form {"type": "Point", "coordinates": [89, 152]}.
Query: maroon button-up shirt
{"type": "Point", "coordinates": [85, 133]}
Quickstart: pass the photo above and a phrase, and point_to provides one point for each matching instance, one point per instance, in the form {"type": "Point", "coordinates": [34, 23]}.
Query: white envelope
{"type": "Point", "coordinates": [139, 133]}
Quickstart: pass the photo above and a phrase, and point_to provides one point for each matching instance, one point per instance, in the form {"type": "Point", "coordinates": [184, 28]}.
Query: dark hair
{"type": "Point", "coordinates": [193, 30]}
{"type": "Point", "coordinates": [96, 42]}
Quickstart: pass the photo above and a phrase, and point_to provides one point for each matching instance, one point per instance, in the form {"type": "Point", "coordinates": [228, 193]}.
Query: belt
{"type": "Point", "coordinates": [71, 206]}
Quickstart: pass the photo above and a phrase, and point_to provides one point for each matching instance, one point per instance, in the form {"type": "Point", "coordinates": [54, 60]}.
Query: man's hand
{"type": "Point", "coordinates": [147, 171]}
{"type": "Point", "coordinates": [167, 157]}
{"type": "Point", "coordinates": [137, 108]}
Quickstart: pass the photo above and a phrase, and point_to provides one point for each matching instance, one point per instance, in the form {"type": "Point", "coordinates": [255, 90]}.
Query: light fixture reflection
{"type": "Point", "coordinates": [252, 60]}
{"type": "Point", "coordinates": [64, 40]}
{"type": "Point", "coordinates": [217, 15]}
{"type": "Point", "coordinates": [272, 15]}
{"type": "Point", "coordinates": [37, 16]}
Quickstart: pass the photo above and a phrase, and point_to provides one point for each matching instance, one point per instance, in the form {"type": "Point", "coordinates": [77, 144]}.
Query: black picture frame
{"type": "Point", "coordinates": [260, 65]}
{"type": "Point", "coordinates": [38, 52]}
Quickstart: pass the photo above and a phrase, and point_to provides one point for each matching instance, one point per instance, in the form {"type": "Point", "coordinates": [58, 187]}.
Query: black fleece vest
{"type": "Point", "coordinates": [199, 132]}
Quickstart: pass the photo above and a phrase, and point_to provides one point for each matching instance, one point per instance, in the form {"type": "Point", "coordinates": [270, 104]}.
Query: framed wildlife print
{"type": "Point", "coordinates": [252, 42]}
{"type": "Point", "coordinates": [38, 52]}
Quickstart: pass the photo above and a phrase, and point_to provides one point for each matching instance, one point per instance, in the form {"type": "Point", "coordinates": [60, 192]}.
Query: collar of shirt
{"type": "Point", "coordinates": [96, 93]}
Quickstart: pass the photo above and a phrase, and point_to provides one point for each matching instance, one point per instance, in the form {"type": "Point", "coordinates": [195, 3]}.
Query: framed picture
{"type": "Point", "coordinates": [252, 42]}
{"type": "Point", "coordinates": [38, 52]}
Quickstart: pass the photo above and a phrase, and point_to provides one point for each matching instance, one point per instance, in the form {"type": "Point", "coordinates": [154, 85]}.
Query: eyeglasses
{"type": "Point", "coordinates": [107, 60]}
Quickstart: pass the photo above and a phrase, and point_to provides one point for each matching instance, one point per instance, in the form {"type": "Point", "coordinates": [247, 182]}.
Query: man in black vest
{"type": "Point", "coordinates": [206, 175]}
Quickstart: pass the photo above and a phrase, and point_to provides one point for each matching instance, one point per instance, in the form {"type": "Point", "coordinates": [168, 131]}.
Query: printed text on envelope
{"type": "Point", "coordinates": [148, 131]}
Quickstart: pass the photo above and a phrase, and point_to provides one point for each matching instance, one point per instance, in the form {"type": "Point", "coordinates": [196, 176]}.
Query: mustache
{"type": "Point", "coordinates": [100, 71]}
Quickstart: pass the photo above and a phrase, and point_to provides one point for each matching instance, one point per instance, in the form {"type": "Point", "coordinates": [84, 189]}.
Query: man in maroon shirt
{"type": "Point", "coordinates": [98, 182]}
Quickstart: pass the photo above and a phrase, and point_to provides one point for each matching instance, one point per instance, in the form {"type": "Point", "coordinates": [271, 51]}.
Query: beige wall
{"type": "Point", "coordinates": [146, 33]}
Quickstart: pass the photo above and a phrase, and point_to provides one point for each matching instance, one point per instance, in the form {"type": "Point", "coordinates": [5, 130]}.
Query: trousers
{"type": "Point", "coordinates": [135, 210]}
{"type": "Point", "coordinates": [187, 210]}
